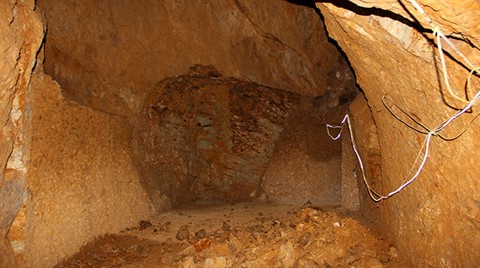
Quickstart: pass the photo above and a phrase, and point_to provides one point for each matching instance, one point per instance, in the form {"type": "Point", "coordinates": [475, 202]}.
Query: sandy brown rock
{"type": "Point", "coordinates": [435, 220]}
{"type": "Point", "coordinates": [22, 32]}
{"type": "Point", "coordinates": [109, 54]}
{"type": "Point", "coordinates": [306, 238]}
{"type": "Point", "coordinates": [207, 138]}
{"type": "Point", "coordinates": [82, 182]}
{"type": "Point", "coordinates": [306, 165]}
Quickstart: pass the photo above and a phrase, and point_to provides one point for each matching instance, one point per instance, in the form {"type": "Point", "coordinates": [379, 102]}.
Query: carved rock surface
{"type": "Point", "coordinates": [82, 181]}
{"type": "Point", "coordinates": [21, 32]}
{"type": "Point", "coordinates": [109, 54]}
{"type": "Point", "coordinates": [207, 138]}
{"type": "Point", "coordinates": [435, 221]}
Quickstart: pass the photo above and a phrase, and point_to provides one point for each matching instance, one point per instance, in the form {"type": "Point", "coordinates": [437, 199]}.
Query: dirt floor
{"type": "Point", "coordinates": [242, 235]}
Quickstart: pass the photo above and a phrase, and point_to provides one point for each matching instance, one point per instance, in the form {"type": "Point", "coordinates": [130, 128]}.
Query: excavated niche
{"type": "Point", "coordinates": [206, 138]}
{"type": "Point", "coordinates": [200, 137]}
{"type": "Point", "coordinates": [108, 140]}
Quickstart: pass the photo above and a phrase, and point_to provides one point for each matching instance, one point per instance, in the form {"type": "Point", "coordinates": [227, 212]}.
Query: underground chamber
{"type": "Point", "coordinates": [203, 134]}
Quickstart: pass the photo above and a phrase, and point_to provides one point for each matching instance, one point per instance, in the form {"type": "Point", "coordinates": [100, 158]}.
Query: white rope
{"type": "Point", "coordinates": [425, 148]}
{"type": "Point", "coordinates": [372, 193]}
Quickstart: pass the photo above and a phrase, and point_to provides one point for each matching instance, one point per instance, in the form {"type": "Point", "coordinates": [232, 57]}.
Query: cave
{"type": "Point", "coordinates": [239, 133]}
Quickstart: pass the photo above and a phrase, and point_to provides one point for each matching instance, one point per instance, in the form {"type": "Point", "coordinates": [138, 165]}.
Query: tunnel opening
{"type": "Point", "coordinates": [200, 135]}
{"type": "Point", "coordinates": [193, 134]}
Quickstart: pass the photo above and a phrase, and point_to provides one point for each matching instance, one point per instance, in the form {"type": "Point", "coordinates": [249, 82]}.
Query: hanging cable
{"type": "Point", "coordinates": [423, 153]}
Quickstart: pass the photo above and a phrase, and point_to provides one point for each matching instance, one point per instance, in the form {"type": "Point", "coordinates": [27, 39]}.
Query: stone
{"type": "Point", "coordinates": [201, 233]}
{"type": "Point", "coordinates": [145, 224]}
{"type": "Point", "coordinates": [286, 255]}
{"type": "Point", "coordinates": [202, 244]}
{"type": "Point", "coordinates": [305, 262]}
{"type": "Point", "coordinates": [240, 38]}
{"type": "Point", "coordinates": [226, 226]}
{"type": "Point", "coordinates": [392, 57]}
{"type": "Point", "coordinates": [183, 233]}
{"type": "Point", "coordinates": [218, 262]}
{"type": "Point", "coordinates": [202, 139]}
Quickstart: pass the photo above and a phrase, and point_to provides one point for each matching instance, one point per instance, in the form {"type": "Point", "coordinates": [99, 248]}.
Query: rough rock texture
{"type": "Point", "coordinates": [253, 235]}
{"type": "Point", "coordinates": [109, 54]}
{"type": "Point", "coordinates": [81, 180]}
{"type": "Point", "coordinates": [436, 220]}
{"type": "Point", "coordinates": [21, 32]}
{"type": "Point", "coordinates": [200, 137]}
{"type": "Point", "coordinates": [368, 146]}
{"type": "Point", "coordinates": [306, 165]}
{"type": "Point", "coordinates": [350, 184]}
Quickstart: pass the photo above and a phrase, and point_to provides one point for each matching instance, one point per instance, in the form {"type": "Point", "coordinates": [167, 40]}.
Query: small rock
{"type": "Point", "coordinates": [307, 204]}
{"type": "Point", "coordinates": [106, 248]}
{"type": "Point", "coordinates": [202, 244]}
{"type": "Point", "coordinates": [183, 233]}
{"type": "Point", "coordinates": [144, 224]}
{"type": "Point", "coordinates": [336, 224]}
{"type": "Point", "coordinates": [329, 238]}
{"type": "Point", "coordinates": [305, 262]}
{"type": "Point", "coordinates": [217, 262]}
{"type": "Point", "coordinates": [393, 253]}
{"type": "Point", "coordinates": [256, 228]}
{"type": "Point", "coordinates": [226, 226]}
{"type": "Point", "coordinates": [286, 255]}
{"type": "Point", "coordinates": [329, 265]}
{"type": "Point", "coordinates": [235, 244]}
{"type": "Point", "coordinates": [201, 234]}
{"type": "Point", "coordinates": [384, 257]}
{"type": "Point", "coordinates": [304, 239]}
{"type": "Point", "coordinates": [374, 263]}
{"type": "Point", "coordinates": [352, 258]}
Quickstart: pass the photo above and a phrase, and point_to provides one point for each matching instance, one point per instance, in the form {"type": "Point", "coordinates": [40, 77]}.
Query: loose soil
{"type": "Point", "coordinates": [242, 235]}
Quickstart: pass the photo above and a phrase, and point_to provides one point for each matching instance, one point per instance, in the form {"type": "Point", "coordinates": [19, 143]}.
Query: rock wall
{"type": "Point", "coordinates": [435, 221]}
{"type": "Point", "coordinates": [69, 176]}
{"type": "Point", "coordinates": [200, 137]}
{"type": "Point", "coordinates": [109, 54]}
{"type": "Point", "coordinates": [365, 134]}
{"type": "Point", "coordinates": [21, 30]}
{"type": "Point", "coordinates": [306, 165]}
{"type": "Point", "coordinates": [81, 181]}
{"type": "Point", "coordinates": [80, 163]}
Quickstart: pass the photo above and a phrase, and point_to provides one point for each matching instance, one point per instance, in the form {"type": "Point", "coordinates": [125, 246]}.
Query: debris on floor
{"type": "Point", "coordinates": [242, 236]}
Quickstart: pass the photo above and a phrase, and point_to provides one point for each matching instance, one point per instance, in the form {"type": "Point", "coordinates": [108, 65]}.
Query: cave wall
{"type": "Point", "coordinates": [435, 221]}
{"type": "Point", "coordinates": [81, 182]}
{"type": "Point", "coordinates": [49, 207]}
{"type": "Point", "coordinates": [306, 165]}
{"type": "Point", "coordinates": [109, 54]}
{"type": "Point", "coordinates": [201, 137]}
{"type": "Point", "coordinates": [21, 29]}
{"type": "Point", "coordinates": [74, 155]}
